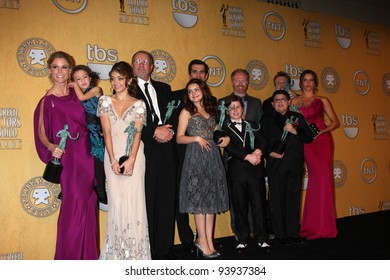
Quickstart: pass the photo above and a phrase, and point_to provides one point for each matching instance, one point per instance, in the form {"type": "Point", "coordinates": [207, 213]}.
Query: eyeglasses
{"type": "Point", "coordinates": [281, 100]}
{"type": "Point", "coordinates": [144, 61]}
{"type": "Point", "coordinates": [234, 108]}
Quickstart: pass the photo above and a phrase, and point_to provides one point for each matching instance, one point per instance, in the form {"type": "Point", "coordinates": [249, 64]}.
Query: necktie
{"type": "Point", "coordinates": [154, 115]}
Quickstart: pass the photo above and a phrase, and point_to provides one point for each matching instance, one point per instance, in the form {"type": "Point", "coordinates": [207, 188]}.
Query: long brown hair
{"type": "Point", "coordinates": [125, 69]}
{"type": "Point", "coordinates": [207, 102]}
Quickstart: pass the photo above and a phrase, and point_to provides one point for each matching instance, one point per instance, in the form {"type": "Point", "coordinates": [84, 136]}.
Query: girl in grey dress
{"type": "Point", "coordinates": [203, 187]}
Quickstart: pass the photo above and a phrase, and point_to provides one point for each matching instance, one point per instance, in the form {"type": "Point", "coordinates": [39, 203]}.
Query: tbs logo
{"type": "Point", "coordinates": [101, 55]}
{"type": "Point", "coordinates": [184, 12]}
{"type": "Point", "coordinates": [343, 36]}
{"type": "Point", "coordinates": [350, 124]}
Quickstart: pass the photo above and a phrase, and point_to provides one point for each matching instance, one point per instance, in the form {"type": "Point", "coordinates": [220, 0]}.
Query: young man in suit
{"type": "Point", "coordinates": [160, 153]}
{"type": "Point", "coordinates": [285, 167]}
{"type": "Point", "coordinates": [245, 173]}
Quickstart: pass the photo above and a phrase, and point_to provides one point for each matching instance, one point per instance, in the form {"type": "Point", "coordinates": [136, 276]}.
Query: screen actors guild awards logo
{"type": "Point", "coordinates": [164, 66]}
{"type": "Point", "coordinates": [32, 55]}
{"type": "Point", "coordinates": [386, 83]}
{"type": "Point", "coordinates": [70, 7]}
{"type": "Point", "coordinates": [39, 198]}
{"type": "Point", "coordinates": [372, 42]}
{"type": "Point", "coordinates": [379, 125]}
{"type": "Point", "coordinates": [274, 26]}
{"type": "Point", "coordinates": [339, 173]}
{"type": "Point", "coordinates": [330, 80]}
{"type": "Point", "coordinates": [232, 21]}
{"type": "Point", "coordinates": [135, 12]}
{"type": "Point", "coordinates": [10, 4]}
{"type": "Point", "coordinates": [258, 74]}
{"type": "Point", "coordinates": [312, 33]}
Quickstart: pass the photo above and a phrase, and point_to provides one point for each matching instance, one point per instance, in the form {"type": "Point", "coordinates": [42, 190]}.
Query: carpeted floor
{"type": "Point", "coordinates": [362, 237]}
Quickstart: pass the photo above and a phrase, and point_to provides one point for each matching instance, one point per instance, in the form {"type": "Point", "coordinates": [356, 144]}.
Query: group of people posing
{"type": "Point", "coordinates": [154, 156]}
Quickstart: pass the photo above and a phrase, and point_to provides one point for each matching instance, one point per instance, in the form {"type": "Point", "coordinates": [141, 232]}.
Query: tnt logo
{"type": "Point", "coordinates": [368, 170]}
{"type": "Point", "coordinates": [274, 26]}
{"type": "Point", "coordinates": [361, 82]}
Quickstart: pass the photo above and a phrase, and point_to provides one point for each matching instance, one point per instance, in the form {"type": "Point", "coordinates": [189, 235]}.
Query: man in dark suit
{"type": "Point", "coordinates": [252, 111]}
{"type": "Point", "coordinates": [160, 153]}
{"type": "Point", "coordinates": [285, 167]}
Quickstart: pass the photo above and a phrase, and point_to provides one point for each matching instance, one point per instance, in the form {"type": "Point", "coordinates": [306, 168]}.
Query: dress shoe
{"type": "Point", "coordinates": [241, 248]}
{"type": "Point", "coordinates": [296, 241]}
{"type": "Point", "coordinates": [213, 255]}
{"type": "Point", "coordinates": [264, 246]}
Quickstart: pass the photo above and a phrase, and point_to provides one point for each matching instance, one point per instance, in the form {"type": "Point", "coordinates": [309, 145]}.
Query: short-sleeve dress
{"type": "Point", "coordinates": [127, 235]}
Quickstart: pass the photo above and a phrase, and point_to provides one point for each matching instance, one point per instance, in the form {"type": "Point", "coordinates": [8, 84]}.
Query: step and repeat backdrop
{"type": "Point", "coordinates": [351, 59]}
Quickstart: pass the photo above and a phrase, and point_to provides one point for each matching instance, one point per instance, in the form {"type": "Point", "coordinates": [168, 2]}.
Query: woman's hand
{"type": "Point", "coordinates": [55, 151]}
{"type": "Point", "coordinates": [128, 167]}
{"type": "Point", "coordinates": [204, 144]}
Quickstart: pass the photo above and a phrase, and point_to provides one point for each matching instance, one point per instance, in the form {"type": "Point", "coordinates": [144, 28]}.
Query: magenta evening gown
{"type": "Point", "coordinates": [319, 217]}
{"type": "Point", "coordinates": [77, 221]}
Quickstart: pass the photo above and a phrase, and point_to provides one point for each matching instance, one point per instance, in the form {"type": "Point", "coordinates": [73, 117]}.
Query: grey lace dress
{"type": "Point", "coordinates": [203, 187]}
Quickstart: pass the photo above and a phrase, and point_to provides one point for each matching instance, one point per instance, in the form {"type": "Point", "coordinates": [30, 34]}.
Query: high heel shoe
{"type": "Point", "coordinates": [213, 255]}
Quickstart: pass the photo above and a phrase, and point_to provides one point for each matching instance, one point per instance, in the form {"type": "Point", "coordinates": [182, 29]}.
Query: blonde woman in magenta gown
{"type": "Point", "coordinates": [127, 229]}
{"type": "Point", "coordinates": [319, 214]}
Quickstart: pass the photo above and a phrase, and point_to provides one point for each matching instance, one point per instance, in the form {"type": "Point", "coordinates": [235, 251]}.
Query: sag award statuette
{"type": "Point", "coordinates": [313, 128]}
{"type": "Point", "coordinates": [219, 132]}
{"type": "Point", "coordinates": [170, 107]}
{"type": "Point", "coordinates": [131, 130]}
{"type": "Point", "coordinates": [279, 146]}
{"type": "Point", "coordinates": [53, 168]}
{"type": "Point", "coordinates": [250, 130]}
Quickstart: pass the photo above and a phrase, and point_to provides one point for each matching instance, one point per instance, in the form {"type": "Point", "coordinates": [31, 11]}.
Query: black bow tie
{"type": "Point", "coordinates": [237, 123]}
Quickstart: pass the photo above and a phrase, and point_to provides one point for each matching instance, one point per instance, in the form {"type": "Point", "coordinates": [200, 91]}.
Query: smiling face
{"type": "Point", "coordinates": [194, 93]}
{"type": "Point", "coordinates": [82, 78]}
{"type": "Point", "coordinates": [240, 83]}
{"type": "Point", "coordinates": [198, 72]}
{"type": "Point", "coordinates": [118, 82]}
{"type": "Point", "coordinates": [60, 70]}
{"type": "Point", "coordinates": [281, 103]}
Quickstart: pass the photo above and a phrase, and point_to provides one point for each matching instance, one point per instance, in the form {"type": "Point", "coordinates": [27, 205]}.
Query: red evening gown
{"type": "Point", "coordinates": [319, 217]}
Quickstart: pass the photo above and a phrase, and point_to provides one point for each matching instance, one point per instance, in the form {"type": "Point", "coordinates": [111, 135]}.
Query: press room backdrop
{"type": "Point", "coordinates": [350, 57]}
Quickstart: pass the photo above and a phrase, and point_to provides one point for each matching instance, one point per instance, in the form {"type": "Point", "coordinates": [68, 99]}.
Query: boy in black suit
{"type": "Point", "coordinates": [285, 168]}
{"type": "Point", "coordinates": [245, 174]}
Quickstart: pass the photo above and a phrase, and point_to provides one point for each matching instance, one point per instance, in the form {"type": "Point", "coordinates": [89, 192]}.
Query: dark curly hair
{"type": "Point", "coordinates": [93, 75]}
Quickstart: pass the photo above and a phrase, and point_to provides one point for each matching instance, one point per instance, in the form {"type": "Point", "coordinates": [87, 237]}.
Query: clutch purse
{"type": "Point", "coordinates": [314, 129]}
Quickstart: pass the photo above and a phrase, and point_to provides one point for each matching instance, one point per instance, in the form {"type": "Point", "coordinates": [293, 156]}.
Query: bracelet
{"type": "Point", "coordinates": [112, 163]}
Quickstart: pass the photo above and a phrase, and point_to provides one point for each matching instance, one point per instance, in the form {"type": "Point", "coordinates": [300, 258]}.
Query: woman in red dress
{"type": "Point", "coordinates": [319, 215]}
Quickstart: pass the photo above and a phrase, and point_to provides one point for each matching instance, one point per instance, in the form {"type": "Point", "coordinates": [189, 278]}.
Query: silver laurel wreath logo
{"type": "Point", "coordinates": [39, 198]}
{"type": "Point", "coordinates": [386, 83]}
{"type": "Point", "coordinates": [274, 26]}
{"type": "Point", "coordinates": [164, 66]}
{"type": "Point", "coordinates": [339, 173]}
{"type": "Point", "coordinates": [32, 55]}
{"type": "Point", "coordinates": [70, 7]}
{"type": "Point", "coordinates": [330, 80]}
{"type": "Point", "coordinates": [258, 74]}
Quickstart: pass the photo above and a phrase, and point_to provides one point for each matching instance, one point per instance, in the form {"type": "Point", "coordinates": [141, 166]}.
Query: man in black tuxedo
{"type": "Point", "coordinates": [160, 154]}
{"type": "Point", "coordinates": [197, 69]}
{"type": "Point", "coordinates": [285, 168]}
